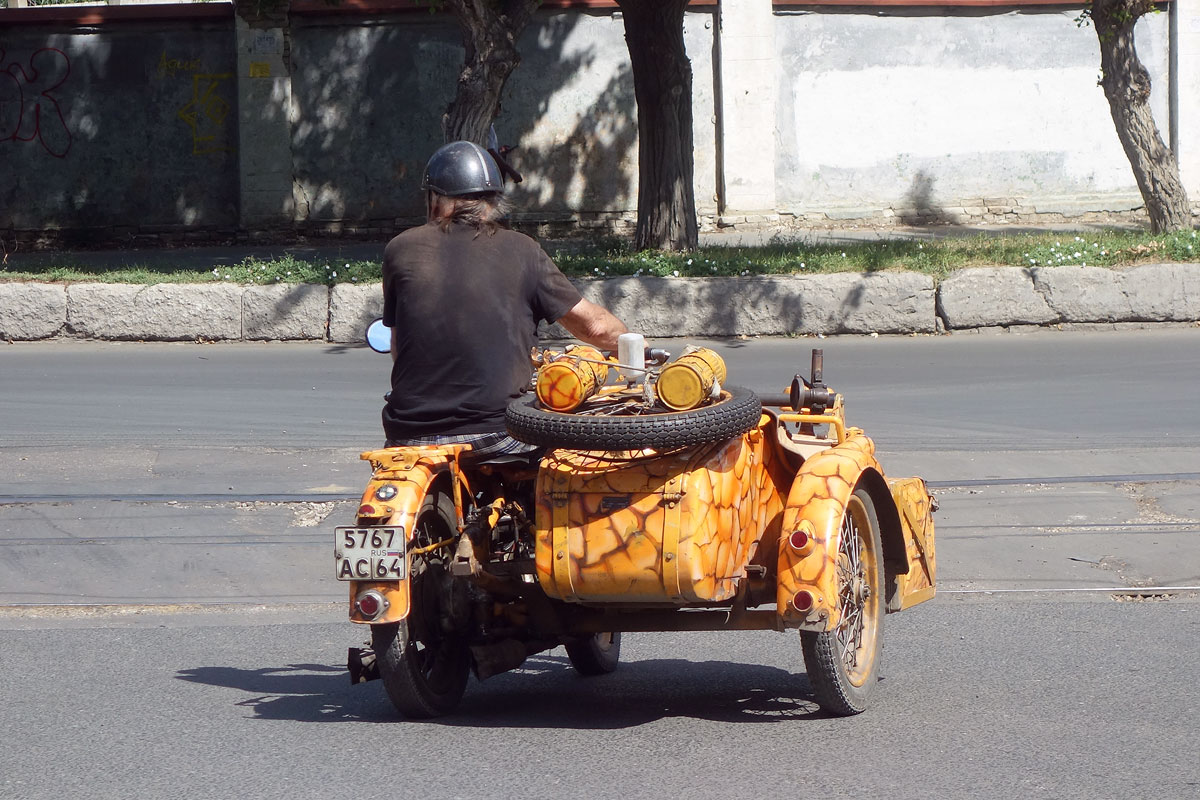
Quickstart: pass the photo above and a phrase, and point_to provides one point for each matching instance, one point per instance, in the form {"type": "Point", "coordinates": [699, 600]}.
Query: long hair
{"type": "Point", "coordinates": [484, 211]}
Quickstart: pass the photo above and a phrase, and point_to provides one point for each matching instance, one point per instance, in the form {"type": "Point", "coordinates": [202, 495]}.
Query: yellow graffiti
{"type": "Point", "coordinates": [170, 67]}
{"type": "Point", "coordinates": [205, 114]}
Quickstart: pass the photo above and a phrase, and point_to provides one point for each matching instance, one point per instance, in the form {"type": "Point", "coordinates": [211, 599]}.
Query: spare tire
{"type": "Point", "coordinates": [737, 411]}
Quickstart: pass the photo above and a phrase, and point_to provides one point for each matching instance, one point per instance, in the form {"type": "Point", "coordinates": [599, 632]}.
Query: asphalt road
{"type": "Point", "coordinates": [1056, 662]}
{"type": "Point", "coordinates": [994, 699]}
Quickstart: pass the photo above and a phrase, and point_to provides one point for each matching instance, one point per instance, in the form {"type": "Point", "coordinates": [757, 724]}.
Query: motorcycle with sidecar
{"type": "Point", "coordinates": [663, 500]}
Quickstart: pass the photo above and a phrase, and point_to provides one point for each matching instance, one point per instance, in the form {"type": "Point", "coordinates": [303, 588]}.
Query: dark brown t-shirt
{"type": "Point", "coordinates": [465, 307]}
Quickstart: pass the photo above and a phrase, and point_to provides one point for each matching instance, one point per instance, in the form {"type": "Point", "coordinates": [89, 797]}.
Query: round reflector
{"type": "Point", "coordinates": [802, 601]}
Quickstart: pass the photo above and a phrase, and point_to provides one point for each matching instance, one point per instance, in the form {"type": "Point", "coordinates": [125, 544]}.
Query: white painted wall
{"type": "Point", "coordinates": [1188, 70]}
{"type": "Point", "coordinates": [748, 104]}
{"type": "Point", "coordinates": [893, 109]}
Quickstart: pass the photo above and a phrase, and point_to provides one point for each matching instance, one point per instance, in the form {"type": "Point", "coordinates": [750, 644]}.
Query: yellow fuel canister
{"type": "Point", "coordinates": [564, 383]}
{"type": "Point", "coordinates": [689, 381]}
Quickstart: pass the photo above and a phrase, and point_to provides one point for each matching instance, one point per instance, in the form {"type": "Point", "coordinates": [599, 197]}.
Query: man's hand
{"type": "Point", "coordinates": [593, 324]}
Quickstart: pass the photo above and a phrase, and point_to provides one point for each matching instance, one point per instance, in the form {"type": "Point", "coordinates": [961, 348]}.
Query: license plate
{"type": "Point", "coordinates": [369, 554]}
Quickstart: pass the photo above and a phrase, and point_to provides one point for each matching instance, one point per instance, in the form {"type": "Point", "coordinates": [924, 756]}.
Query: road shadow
{"type": "Point", "coordinates": [545, 693]}
{"type": "Point", "coordinates": [296, 692]}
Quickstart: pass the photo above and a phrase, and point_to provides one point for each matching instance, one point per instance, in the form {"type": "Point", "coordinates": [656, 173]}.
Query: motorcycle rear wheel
{"type": "Point", "coordinates": [424, 667]}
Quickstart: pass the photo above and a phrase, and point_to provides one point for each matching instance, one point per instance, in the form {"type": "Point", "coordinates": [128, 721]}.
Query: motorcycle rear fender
{"type": "Point", "coordinates": [414, 472]}
{"type": "Point", "coordinates": [816, 504]}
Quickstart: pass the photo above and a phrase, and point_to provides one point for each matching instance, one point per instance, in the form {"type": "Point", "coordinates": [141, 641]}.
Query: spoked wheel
{"type": "Point", "coordinates": [422, 660]}
{"type": "Point", "coordinates": [597, 654]}
{"type": "Point", "coordinates": [843, 664]}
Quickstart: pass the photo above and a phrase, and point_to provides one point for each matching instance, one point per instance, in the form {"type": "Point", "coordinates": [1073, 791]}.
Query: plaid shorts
{"type": "Point", "coordinates": [483, 445]}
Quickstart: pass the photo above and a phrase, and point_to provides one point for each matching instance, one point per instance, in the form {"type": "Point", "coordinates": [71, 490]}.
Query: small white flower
{"type": "Point", "coordinates": [689, 262]}
{"type": "Point", "coordinates": [801, 265]}
{"type": "Point", "coordinates": [1078, 254]}
{"type": "Point", "coordinates": [335, 274]}
{"type": "Point", "coordinates": [675, 273]}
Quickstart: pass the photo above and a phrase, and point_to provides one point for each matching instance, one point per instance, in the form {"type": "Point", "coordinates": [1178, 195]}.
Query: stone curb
{"type": "Point", "coordinates": [844, 303]}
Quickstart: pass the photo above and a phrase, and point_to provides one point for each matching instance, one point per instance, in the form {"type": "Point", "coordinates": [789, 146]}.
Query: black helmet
{"type": "Point", "coordinates": [462, 168]}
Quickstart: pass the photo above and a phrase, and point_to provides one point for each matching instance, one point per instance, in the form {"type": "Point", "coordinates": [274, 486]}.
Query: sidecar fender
{"type": "Point", "coordinates": [816, 504]}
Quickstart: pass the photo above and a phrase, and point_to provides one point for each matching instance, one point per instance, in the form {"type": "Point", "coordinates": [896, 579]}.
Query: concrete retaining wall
{"type": "Point", "coordinates": [847, 303]}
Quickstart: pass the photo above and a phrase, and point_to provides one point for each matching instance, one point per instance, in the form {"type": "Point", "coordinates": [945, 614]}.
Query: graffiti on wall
{"type": "Point", "coordinates": [207, 109]}
{"type": "Point", "coordinates": [30, 111]}
{"type": "Point", "coordinates": [205, 113]}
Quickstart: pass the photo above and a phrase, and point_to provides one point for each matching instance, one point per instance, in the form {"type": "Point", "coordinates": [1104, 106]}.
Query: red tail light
{"type": "Point", "coordinates": [370, 604]}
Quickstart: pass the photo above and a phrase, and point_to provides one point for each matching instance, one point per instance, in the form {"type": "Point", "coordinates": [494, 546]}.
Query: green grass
{"type": "Point", "coordinates": [938, 257]}
{"type": "Point", "coordinates": [251, 271]}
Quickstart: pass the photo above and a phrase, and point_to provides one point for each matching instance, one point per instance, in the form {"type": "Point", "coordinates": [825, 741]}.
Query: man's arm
{"type": "Point", "coordinates": [593, 324]}
{"type": "Point", "coordinates": [395, 349]}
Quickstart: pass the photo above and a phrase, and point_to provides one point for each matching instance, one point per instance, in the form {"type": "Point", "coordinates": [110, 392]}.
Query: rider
{"type": "Point", "coordinates": [463, 296]}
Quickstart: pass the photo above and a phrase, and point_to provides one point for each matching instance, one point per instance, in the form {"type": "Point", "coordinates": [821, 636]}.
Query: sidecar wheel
{"type": "Point", "coordinates": [843, 664]}
{"type": "Point", "coordinates": [423, 665]}
{"type": "Point", "coordinates": [597, 654]}
{"type": "Point", "coordinates": [736, 412]}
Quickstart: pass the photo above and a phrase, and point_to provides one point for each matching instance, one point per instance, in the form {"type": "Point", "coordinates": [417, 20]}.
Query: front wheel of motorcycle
{"type": "Point", "coordinates": [423, 663]}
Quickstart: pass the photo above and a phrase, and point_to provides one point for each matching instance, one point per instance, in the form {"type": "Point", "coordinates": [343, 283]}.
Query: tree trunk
{"type": "Point", "coordinates": [662, 83]}
{"type": "Point", "coordinates": [490, 33]}
{"type": "Point", "coordinates": [1127, 86]}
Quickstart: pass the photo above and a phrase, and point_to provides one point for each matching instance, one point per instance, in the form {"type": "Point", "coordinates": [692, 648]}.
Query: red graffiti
{"type": "Point", "coordinates": [29, 111]}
